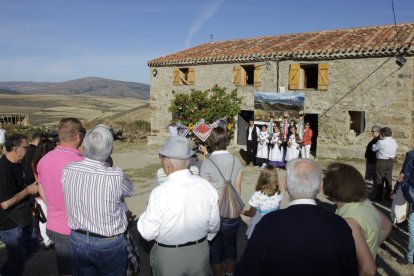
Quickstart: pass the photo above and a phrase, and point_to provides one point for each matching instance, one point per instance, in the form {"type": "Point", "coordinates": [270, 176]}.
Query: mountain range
{"type": "Point", "coordinates": [90, 86]}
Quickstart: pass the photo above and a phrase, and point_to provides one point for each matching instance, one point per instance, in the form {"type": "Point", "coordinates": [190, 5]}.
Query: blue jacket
{"type": "Point", "coordinates": [408, 184]}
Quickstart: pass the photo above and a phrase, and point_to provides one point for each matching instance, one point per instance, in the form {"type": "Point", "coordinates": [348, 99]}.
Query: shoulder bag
{"type": "Point", "coordinates": [230, 203]}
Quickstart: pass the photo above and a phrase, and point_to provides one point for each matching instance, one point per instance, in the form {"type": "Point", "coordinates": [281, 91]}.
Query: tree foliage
{"type": "Point", "coordinates": [210, 105]}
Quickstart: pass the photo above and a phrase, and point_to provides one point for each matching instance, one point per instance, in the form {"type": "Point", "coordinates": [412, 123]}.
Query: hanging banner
{"type": "Point", "coordinates": [276, 105]}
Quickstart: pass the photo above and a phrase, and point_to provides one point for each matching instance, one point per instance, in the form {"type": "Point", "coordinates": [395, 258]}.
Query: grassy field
{"type": "Point", "coordinates": [47, 110]}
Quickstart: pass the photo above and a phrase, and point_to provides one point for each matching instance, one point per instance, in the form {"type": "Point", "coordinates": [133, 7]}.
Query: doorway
{"type": "Point", "coordinates": [242, 123]}
{"type": "Point", "coordinates": [313, 120]}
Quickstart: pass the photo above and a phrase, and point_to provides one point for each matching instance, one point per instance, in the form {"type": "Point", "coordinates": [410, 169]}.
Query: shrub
{"type": "Point", "coordinates": [210, 105]}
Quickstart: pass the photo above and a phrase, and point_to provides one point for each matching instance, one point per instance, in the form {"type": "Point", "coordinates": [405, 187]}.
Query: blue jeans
{"type": "Point", "coordinates": [20, 244]}
{"type": "Point", "coordinates": [224, 245]}
{"type": "Point", "coordinates": [98, 256]}
{"type": "Point", "coordinates": [410, 250]}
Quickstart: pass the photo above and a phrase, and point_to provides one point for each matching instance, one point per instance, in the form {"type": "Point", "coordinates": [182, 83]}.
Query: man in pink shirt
{"type": "Point", "coordinates": [50, 170]}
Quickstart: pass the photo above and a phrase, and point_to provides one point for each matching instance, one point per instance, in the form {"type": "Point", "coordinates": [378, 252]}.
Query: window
{"type": "Point", "coordinates": [308, 76]}
{"type": "Point", "coordinates": [247, 75]}
{"type": "Point", "coordinates": [183, 76]}
{"type": "Point", "coordinates": [357, 122]}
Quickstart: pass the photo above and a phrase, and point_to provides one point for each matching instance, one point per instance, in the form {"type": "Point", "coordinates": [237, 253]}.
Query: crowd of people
{"type": "Point", "coordinates": [275, 145]}
{"type": "Point", "coordinates": [83, 198]}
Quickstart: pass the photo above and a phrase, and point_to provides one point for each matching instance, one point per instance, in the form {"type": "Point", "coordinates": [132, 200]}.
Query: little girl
{"type": "Point", "coordinates": [276, 150]}
{"type": "Point", "coordinates": [262, 154]}
{"type": "Point", "coordinates": [266, 199]}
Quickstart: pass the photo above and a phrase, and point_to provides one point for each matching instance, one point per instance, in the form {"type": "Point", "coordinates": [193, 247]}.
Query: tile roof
{"type": "Point", "coordinates": [372, 41]}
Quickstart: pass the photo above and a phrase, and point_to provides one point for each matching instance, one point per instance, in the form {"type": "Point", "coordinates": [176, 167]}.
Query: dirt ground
{"type": "Point", "coordinates": [140, 161]}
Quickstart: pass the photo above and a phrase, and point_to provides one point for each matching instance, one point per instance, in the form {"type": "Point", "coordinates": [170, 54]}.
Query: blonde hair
{"type": "Point", "coordinates": [268, 182]}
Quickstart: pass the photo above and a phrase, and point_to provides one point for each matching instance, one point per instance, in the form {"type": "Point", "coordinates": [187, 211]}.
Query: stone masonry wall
{"type": "Point", "coordinates": [376, 86]}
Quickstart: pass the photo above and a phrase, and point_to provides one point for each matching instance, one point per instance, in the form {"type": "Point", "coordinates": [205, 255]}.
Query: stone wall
{"type": "Point", "coordinates": [377, 86]}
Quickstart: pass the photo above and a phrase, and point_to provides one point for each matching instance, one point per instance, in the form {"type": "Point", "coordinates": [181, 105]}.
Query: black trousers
{"type": "Point", "coordinates": [251, 152]}
{"type": "Point", "coordinates": [383, 176]}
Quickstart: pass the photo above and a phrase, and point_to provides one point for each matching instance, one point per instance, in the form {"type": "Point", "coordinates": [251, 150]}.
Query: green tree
{"type": "Point", "coordinates": [210, 105]}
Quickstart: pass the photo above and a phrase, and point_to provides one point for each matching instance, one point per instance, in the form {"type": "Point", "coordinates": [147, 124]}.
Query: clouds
{"type": "Point", "coordinates": [207, 13]}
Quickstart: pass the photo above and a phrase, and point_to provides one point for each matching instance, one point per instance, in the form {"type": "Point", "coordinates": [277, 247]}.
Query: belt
{"type": "Point", "coordinates": [94, 235]}
{"type": "Point", "coordinates": [181, 245]}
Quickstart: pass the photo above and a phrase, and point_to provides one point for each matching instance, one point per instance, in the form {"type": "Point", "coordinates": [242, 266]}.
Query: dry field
{"type": "Point", "coordinates": [47, 110]}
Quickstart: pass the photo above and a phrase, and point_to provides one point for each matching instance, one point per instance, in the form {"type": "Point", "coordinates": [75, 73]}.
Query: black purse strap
{"type": "Point", "coordinates": [232, 167]}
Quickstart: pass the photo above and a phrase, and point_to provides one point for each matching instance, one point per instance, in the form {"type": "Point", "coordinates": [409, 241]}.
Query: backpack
{"type": "Point", "coordinates": [230, 203]}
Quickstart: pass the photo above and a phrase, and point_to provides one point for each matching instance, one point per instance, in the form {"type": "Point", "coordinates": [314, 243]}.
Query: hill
{"type": "Point", "coordinates": [90, 86]}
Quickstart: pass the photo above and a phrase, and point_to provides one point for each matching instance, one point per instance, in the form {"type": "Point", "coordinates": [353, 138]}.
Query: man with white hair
{"type": "Point", "coordinates": [303, 239]}
{"type": "Point", "coordinates": [182, 214]}
{"type": "Point", "coordinates": [95, 204]}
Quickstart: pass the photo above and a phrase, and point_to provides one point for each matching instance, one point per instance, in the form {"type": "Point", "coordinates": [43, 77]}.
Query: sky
{"type": "Point", "coordinates": [60, 40]}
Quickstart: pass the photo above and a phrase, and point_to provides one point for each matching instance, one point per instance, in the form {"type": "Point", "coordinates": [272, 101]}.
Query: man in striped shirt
{"type": "Point", "coordinates": [94, 198]}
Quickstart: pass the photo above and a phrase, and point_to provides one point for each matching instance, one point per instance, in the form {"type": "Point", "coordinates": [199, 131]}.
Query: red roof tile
{"type": "Point", "coordinates": [346, 43]}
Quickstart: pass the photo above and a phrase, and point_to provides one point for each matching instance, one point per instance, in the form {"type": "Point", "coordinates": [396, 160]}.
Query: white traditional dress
{"type": "Point", "coordinates": [276, 151]}
{"type": "Point", "coordinates": [264, 204]}
{"type": "Point", "coordinates": [262, 154]}
{"type": "Point", "coordinates": [293, 148]}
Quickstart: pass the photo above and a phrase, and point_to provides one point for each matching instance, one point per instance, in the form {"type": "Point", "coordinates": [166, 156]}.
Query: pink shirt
{"type": "Point", "coordinates": [50, 170]}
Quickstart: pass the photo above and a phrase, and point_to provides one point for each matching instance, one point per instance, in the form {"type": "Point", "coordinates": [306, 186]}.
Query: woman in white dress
{"type": "Point", "coordinates": [293, 145]}
{"type": "Point", "coordinates": [276, 149]}
{"type": "Point", "coordinates": [262, 154]}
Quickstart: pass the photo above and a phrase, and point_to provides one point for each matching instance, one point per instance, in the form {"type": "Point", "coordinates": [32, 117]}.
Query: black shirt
{"type": "Point", "coordinates": [11, 183]}
{"type": "Point", "coordinates": [370, 155]}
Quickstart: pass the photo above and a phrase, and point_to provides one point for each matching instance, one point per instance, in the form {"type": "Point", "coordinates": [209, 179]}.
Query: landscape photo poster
{"type": "Point", "coordinates": [267, 104]}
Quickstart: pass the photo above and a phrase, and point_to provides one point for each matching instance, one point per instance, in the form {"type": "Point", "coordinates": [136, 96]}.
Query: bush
{"type": "Point", "coordinates": [210, 105]}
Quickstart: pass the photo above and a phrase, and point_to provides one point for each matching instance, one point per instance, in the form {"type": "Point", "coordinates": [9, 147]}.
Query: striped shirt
{"type": "Point", "coordinates": [94, 197]}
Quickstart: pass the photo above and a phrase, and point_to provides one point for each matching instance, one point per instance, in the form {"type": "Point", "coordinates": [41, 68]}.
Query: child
{"type": "Point", "coordinates": [266, 199]}
{"type": "Point", "coordinates": [262, 154]}
{"type": "Point", "coordinates": [276, 149]}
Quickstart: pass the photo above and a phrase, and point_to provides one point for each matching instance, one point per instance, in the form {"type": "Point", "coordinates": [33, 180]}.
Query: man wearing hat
{"type": "Point", "coordinates": [182, 215]}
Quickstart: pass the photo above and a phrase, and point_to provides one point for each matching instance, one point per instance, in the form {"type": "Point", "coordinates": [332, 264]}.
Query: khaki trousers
{"type": "Point", "coordinates": [189, 260]}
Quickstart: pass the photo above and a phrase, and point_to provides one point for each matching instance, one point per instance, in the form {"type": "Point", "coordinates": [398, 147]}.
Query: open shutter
{"type": "Point", "coordinates": [257, 75]}
{"type": "Point", "coordinates": [323, 77]}
{"type": "Point", "coordinates": [176, 76]}
{"type": "Point", "coordinates": [237, 75]}
{"type": "Point", "coordinates": [294, 76]}
{"type": "Point", "coordinates": [191, 75]}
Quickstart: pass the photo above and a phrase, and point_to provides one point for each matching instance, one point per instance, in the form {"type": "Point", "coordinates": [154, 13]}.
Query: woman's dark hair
{"type": "Point", "coordinates": [344, 183]}
{"type": "Point", "coordinates": [218, 139]}
{"type": "Point", "coordinates": [44, 146]}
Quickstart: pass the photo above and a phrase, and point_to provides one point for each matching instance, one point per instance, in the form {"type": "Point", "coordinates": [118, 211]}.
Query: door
{"type": "Point", "coordinates": [242, 123]}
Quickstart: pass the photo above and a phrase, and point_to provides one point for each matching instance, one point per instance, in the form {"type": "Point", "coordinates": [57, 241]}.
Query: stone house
{"type": "Point", "coordinates": [352, 79]}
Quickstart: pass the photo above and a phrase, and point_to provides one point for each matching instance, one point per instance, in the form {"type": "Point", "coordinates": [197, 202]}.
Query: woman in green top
{"type": "Point", "coordinates": [346, 187]}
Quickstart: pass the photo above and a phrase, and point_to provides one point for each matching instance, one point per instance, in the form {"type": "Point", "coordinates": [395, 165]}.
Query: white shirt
{"type": "Point", "coordinates": [302, 201]}
{"type": "Point", "coordinates": [2, 136]}
{"type": "Point", "coordinates": [94, 197]}
{"type": "Point", "coordinates": [251, 130]}
{"type": "Point", "coordinates": [173, 130]}
{"type": "Point", "coordinates": [183, 209]}
{"type": "Point", "coordinates": [385, 148]}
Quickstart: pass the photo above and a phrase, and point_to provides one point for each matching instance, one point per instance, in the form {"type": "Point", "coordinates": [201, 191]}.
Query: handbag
{"type": "Point", "coordinates": [38, 211]}
{"type": "Point", "coordinates": [399, 206]}
{"type": "Point", "coordinates": [21, 214]}
{"type": "Point", "coordinates": [230, 203]}
{"type": "Point", "coordinates": [132, 242]}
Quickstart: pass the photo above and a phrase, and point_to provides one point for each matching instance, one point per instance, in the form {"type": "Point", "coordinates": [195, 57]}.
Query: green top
{"type": "Point", "coordinates": [368, 219]}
